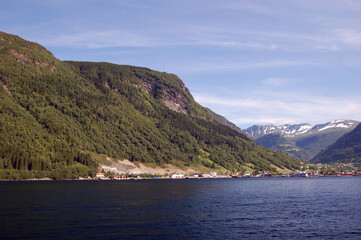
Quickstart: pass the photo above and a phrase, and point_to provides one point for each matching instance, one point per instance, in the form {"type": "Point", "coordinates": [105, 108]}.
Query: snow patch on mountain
{"type": "Point", "coordinates": [293, 130]}
{"type": "Point", "coordinates": [304, 129]}
{"type": "Point", "coordinates": [337, 124]}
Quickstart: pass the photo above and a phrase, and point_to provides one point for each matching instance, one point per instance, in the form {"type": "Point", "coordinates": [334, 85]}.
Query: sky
{"type": "Point", "coordinates": [254, 62]}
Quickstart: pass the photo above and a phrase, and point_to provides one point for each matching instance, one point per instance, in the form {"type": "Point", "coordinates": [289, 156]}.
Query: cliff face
{"type": "Point", "coordinates": [59, 117]}
{"type": "Point", "coordinates": [176, 101]}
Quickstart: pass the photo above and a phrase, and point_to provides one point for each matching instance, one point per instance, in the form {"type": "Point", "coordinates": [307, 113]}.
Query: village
{"type": "Point", "coordinates": [266, 174]}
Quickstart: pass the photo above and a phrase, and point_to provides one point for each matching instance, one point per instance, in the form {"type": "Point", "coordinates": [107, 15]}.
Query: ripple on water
{"type": "Point", "coordinates": [319, 208]}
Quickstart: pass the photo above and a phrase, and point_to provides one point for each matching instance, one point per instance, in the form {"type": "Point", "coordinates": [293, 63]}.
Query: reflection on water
{"type": "Point", "coordinates": [182, 209]}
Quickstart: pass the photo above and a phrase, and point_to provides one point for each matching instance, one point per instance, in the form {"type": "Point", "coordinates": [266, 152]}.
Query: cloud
{"type": "Point", "coordinates": [222, 66]}
{"type": "Point", "coordinates": [196, 36]}
{"type": "Point", "coordinates": [275, 81]}
{"type": "Point", "coordinates": [287, 108]}
{"type": "Point", "coordinates": [247, 121]}
{"type": "Point", "coordinates": [316, 38]}
{"type": "Point", "coordinates": [175, 33]}
{"type": "Point", "coordinates": [100, 39]}
{"type": "Point", "coordinates": [149, 38]}
{"type": "Point", "coordinates": [332, 47]}
{"type": "Point", "coordinates": [240, 25]}
{"type": "Point", "coordinates": [349, 37]}
{"type": "Point", "coordinates": [226, 102]}
{"type": "Point", "coordinates": [235, 44]}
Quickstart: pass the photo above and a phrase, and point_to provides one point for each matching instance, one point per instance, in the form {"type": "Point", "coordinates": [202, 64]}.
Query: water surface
{"type": "Point", "coordinates": [279, 208]}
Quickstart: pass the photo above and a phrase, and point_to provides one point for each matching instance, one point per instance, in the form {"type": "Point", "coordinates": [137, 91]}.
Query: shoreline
{"type": "Point", "coordinates": [137, 179]}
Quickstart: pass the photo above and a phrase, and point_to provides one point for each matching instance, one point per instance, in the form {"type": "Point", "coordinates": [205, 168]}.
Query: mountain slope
{"type": "Point", "coordinates": [56, 116]}
{"type": "Point", "coordinates": [347, 149]}
{"type": "Point", "coordinates": [302, 141]}
{"type": "Point", "coordinates": [278, 143]}
{"type": "Point", "coordinates": [222, 120]}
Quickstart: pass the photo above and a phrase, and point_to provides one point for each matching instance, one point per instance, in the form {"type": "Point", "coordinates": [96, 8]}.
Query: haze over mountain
{"type": "Point", "coordinates": [303, 141]}
{"type": "Point", "coordinates": [59, 118]}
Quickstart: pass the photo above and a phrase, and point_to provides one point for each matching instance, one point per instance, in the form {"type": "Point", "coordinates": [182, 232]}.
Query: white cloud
{"type": "Point", "coordinates": [276, 81]}
{"type": "Point", "coordinates": [151, 38]}
{"type": "Point", "coordinates": [289, 108]}
{"type": "Point", "coordinates": [222, 65]}
{"type": "Point", "coordinates": [234, 42]}
{"type": "Point", "coordinates": [100, 39]}
{"type": "Point", "coordinates": [247, 121]}
{"type": "Point", "coordinates": [241, 25]}
{"type": "Point", "coordinates": [196, 34]}
{"type": "Point", "coordinates": [332, 47]}
{"type": "Point", "coordinates": [224, 102]}
{"type": "Point", "coordinates": [314, 38]}
{"type": "Point", "coordinates": [349, 36]}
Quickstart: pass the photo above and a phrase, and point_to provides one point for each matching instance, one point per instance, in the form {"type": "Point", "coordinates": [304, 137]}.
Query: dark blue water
{"type": "Point", "coordinates": [279, 208]}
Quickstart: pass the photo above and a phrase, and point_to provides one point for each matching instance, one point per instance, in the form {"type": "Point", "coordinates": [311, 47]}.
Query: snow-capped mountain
{"type": "Point", "coordinates": [345, 124]}
{"type": "Point", "coordinates": [293, 130]}
{"type": "Point", "coordinates": [302, 141]}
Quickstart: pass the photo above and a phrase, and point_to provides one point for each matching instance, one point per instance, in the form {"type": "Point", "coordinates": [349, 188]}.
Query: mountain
{"type": "Point", "coordinates": [302, 141]}
{"type": "Point", "coordinates": [346, 149]}
{"type": "Point", "coordinates": [293, 130]}
{"type": "Point", "coordinates": [62, 119]}
{"type": "Point", "coordinates": [287, 130]}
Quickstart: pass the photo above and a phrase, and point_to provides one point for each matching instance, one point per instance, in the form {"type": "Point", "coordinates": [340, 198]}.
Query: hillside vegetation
{"type": "Point", "coordinates": [347, 149]}
{"type": "Point", "coordinates": [55, 115]}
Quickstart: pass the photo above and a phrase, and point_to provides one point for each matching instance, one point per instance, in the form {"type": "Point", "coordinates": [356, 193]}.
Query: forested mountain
{"type": "Point", "coordinates": [302, 141]}
{"type": "Point", "coordinates": [347, 149]}
{"type": "Point", "coordinates": [55, 116]}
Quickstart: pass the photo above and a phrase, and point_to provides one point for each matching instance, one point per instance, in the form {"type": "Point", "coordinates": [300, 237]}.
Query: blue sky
{"type": "Point", "coordinates": [254, 62]}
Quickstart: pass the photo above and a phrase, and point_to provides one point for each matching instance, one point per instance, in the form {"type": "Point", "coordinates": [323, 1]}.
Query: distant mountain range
{"type": "Point", "coordinates": [346, 149]}
{"type": "Point", "coordinates": [303, 141]}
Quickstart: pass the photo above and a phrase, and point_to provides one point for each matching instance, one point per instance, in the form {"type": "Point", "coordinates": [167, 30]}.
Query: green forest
{"type": "Point", "coordinates": [55, 114]}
